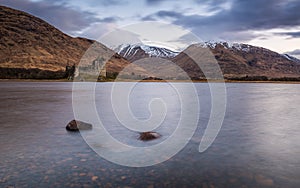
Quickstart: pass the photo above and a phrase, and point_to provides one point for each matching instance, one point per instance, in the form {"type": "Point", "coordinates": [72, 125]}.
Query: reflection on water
{"type": "Point", "coordinates": [258, 146]}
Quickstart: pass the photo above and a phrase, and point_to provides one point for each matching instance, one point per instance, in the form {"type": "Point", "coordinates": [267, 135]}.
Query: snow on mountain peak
{"type": "Point", "coordinates": [131, 49]}
{"type": "Point", "coordinates": [226, 45]}
{"type": "Point", "coordinates": [291, 58]}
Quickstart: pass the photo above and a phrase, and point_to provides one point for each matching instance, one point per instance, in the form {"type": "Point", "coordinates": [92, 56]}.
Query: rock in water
{"type": "Point", "coordinates": [145, 136]}
{"type": "Point", "coordinates": [76, 125]}
{"type": "Point", "coordinates": [264, 181]}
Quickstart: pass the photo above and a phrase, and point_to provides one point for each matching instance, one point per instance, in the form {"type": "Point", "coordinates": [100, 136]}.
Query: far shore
{"type": "Point", "coordinates": [172, 81]}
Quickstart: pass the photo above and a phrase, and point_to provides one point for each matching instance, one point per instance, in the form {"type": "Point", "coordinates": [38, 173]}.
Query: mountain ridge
{"type": "Point", "coordinates": [29, 42]}
{"type": "Point", "coordinates": [133, 52]}
{"type": "Point", "coordinates": [123, 48]}
{"type": "Point", "coordinates": [244, 60]}
{"type": "Point", "coordinates": [236, 60]}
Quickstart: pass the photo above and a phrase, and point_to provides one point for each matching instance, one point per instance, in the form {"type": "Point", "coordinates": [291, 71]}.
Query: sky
{"type": "Point", "coordinates": [273, 24]}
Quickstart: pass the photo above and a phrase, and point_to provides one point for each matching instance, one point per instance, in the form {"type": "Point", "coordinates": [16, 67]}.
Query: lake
{"type": "Point", "coordinates": [257, 146]}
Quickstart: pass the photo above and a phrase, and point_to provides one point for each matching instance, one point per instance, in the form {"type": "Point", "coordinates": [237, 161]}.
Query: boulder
{"type": "Point", "coordinates": [76, 125]}
{"type": "Point", "coordinates": [145, 136]}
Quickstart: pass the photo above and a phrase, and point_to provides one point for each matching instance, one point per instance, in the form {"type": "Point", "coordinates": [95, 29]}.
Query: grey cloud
{"type": "Point", "coordinates": [109, 19]}
{"type": "Point", "coordinates": [92, 2]}
{"type": "Point", "coordinates": [148, 18]}
{"type": "Point", "coordinates": [212, 5]}
{"type": "Point", "coordinates": [257, 14]}
{"type": "Point", "coordinates": [294, 52]}
{"type": "Point", "coordinates": [162, 14]}
{"type": "Point", "coordinates": [96, 30]}
{"type": "Point", "coordinates": [106, 2]}
{"type": "Point", "coordinates": [290, 34]}
{"type": "Point", "coordinates": [242, 16]}
{"type": "Point", "coordinates": [170, 14]}
{"type": "Point", "coordinates": [154, 2]}
{"type": "Point", "coordinates": [110, 2]}
{"type": "Point", "coordinates": [238, 36]}
{"type": "Point", "coordinates": [64, 18]}
{"type": "Point", "coordinates": [186, 40]}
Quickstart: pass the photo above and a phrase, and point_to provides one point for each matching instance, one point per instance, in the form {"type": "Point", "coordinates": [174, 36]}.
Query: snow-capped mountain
{"type": "Point", "coordinates": [238, 60]}
{"type": "Point", "coordinates": [235, 59]}
{"type": "Point", "coordinates": [291, 58]}
{"type": "Point", "coordinates": [226, 45]}
{"type": "Point", "coordinates": [240, 47]}
{"type": "Point", "coordinates": [134, 52]}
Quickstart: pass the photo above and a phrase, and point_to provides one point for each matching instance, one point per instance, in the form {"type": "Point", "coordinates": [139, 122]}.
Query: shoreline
{"type": "Point", "coordinates": [153, 81]}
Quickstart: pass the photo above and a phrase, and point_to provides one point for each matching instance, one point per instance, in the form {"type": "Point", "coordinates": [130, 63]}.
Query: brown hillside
{"type": "Point", "coordinates": [241, 60]}
{"type": "Point", "coordinates": [29, 42]}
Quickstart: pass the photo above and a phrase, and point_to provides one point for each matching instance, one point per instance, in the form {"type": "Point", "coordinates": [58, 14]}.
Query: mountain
{"type": "Point", "coordinates": [134, 52]}
{"type": "Point", "coordinates": [29, 46]}
{"type": "Point", "coordinates": [236, 60]}
{"type": "Point", "coordinates": [289, 57]}
{"type": "Point", "coordinates": [241, 60]}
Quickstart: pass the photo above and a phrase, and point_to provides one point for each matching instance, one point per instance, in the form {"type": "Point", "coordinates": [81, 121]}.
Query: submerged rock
{"type": "Point", "coordinates": [264, 180]}
{"type": "Point", "coordinates": [148, 136]}
{"type": "Point", "coordinates": [76, 125]}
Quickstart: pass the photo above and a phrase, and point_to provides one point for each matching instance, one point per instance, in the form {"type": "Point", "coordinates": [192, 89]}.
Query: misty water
{"type": "Point", "coordinates": [258, 145]}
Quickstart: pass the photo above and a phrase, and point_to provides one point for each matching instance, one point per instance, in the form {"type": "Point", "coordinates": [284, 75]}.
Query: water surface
{"type": "Point", "coordinates": [258, 145]}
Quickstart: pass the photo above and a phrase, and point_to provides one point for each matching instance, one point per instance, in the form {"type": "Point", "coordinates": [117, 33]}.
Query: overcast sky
{"type": "Point", "coordinates": [273, 24]}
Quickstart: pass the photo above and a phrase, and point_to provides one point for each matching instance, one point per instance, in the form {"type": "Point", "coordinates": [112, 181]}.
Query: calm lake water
{"type": "Point", "coordinates": [258, 145]}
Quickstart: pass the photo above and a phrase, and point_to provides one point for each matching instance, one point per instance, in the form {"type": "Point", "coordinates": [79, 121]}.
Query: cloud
{"type": "Point", "coordinates": [112, 19]}
{"type": "Point", "coordinates": [63, 17]}
{"type": "Point", "coordinates": [238, 36]}
{"type": "Point", "coordinates": [247, 15]}
{"type": "Point", "coordinates": [240, 16]}
{"type": "Point", "coordinates": [290, 34]}
{"type": "Point", "coordinates": [110, 2]}
{"type": "Point", "coordinates": [97, 30]}
{"type": "Point", "coordinates": [165, 15]}
{"type": "Point", "coordinates": [148, 18]}
{"type": "Point", "coordinates": [170, 14]}
{"type": "Point", "coordinates": [117, 37]}
{"type": "Point", "coordinates": [294, 52]}
{"type": "Point", "coordinates": [154, 2]}
{"type": "Point", "coordinates": [105, 2]}
{"type": "Point", "coordinates": [214, 5]}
